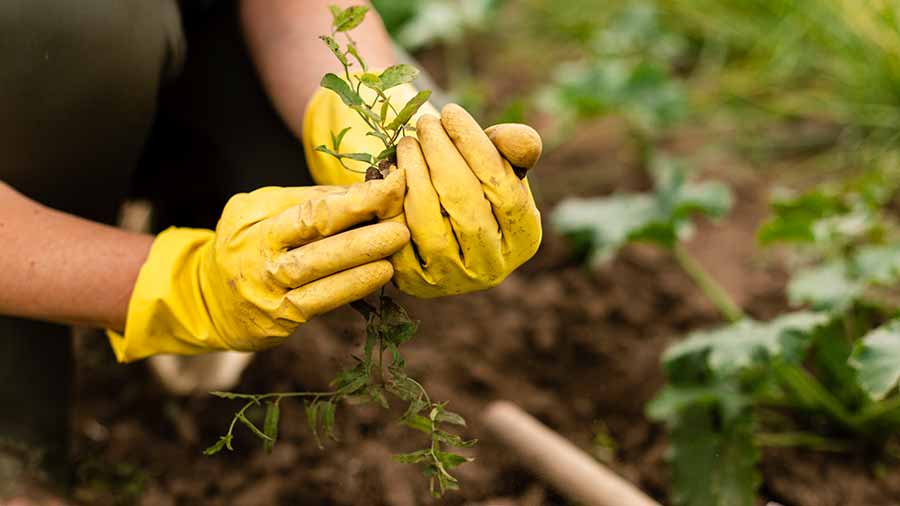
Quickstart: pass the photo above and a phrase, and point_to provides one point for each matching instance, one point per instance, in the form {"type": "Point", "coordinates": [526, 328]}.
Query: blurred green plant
{"type": "Point", "coordinates": [824, 378]}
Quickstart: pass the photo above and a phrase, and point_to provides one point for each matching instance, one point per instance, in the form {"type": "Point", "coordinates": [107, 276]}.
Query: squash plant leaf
{"type": "Point", "coordinates": [877, 360]}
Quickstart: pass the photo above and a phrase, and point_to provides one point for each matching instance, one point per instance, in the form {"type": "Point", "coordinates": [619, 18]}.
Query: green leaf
{"type": "Point", "coordinates": [337, 139]}
{"type": "Point", "coordinates": [372, 81]}
{"type": "Point", "coordinates": [451, 460]}
{"type": "Point", "coordinates": [450, 417]}
{"type": "Point", "coordinates": [349, 18]}
{"type": "Point", "coordinates": [253, 428]}
{"type": "Point", "coordinates": [413, 457]}
{"type": "Point", "coordinates": [794, 217]}
{"type": "Point", "coordinates": [396, 325]}
{"type": "Point", "coordinates": [807, 393]}
{"type": "Point", "coordinates": [453, 439]}
{"type": "Point", "coordinates": [223, 442]}
{"type": "Point", "coordinates": [270, 425]}
{"type": "Point", "coordinates": [368, 113]}
{"type": "Point", "coordinates": [419, 423]}
{"type": "Point", "coordinates": [713, 466]}
{"type": "Point", "coordinates": [733, 347]}
{"type": "Point", "coordinates": [312, 420]}
{"type": "Point", "coordinates": [674, 400]}
{"type": "Point", "coordinates": [828, 286]}
{"type": "Point", "coordinates": [335, 13]}
{"type": "Point", "coordinates": [351, 48]}
{"type": "Point", "coordinates": [878, 264]}
{"type": "Point", "coordinates": [335, 49]}
{"type": "Point", "coordinates": [230, 395]}
{"type": "Point", "coordinates": [396, 75]}
{"type": "Point", "coordinates": [409, 109]}
{"type": "Point", "coordinates": [342, 88]}
{"type": "Point", "coordinates": [877, 360]}
{"type": "Point", "coordinates": [386, 154]}
{"type": "Point", "coordinates": [606, 224]}
{"type": "Point", "coordinates": [328, 410]}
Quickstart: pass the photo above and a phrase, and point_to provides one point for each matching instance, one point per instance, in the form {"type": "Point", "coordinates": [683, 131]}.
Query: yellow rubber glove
{"type": "Point", "coordinates": [278, 257]}
{"type": "Point", "coordinates": [472, 220]}
{"type": "Point", "coordinates": [491, 211]}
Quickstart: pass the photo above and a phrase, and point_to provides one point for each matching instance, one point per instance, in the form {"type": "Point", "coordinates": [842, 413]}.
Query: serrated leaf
{"type": "Point", "coordinates": [827, 286]}
{"type": "Point", "coordinates": [409, 109]}
{"type": "Point", "coordinates": [396, 325]}
{"type": "Point", "coordinates": [223, 442]}
{"type": "Point", "coordinates": [342, 88]}
{"type": "Point", "coordinates": [712, 466]}
{"type": "Point", "coordinates": [270, 425]}
{"type": "Point", "coordinates": [335, 49]}
{"type": "Point", "coordinates": [416, 457]}
{"type": "Point", "coordinates": [877, 360]}
{"type": "Point", "coordinates": [732, 347]}
{"type": "Point", "coordinates": [349, 18]}
{"type": "Point", "coordinates": [396, 75]}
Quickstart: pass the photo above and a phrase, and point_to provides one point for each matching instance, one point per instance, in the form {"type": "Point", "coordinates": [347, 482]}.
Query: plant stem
{"type": "Point", "coordinates": [707, 284]}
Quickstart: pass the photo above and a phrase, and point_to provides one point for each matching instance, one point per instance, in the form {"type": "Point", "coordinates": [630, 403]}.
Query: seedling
{"type": "Point", "coordinates": [388, 326]}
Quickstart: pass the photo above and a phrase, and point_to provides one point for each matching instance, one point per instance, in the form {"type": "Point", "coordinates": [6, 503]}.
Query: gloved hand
{"type": "Point", "coordinates": [278, 257]}
{"type": "Point", "coordinates": [472, 220]}
{"type": "Point", "coordinates": [492, 224]}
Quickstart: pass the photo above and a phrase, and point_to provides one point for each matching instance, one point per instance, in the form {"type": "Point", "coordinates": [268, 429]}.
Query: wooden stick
{"type": "Point", "coordinates": [570, 470]}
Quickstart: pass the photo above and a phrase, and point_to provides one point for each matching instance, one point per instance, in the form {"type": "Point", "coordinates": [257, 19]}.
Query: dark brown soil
{"type": "Point", "coordinates": [578, 349]}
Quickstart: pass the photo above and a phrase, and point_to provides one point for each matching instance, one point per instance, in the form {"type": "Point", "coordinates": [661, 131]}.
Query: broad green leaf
{"type": "Point", "coordinates": [386, 153]}
{"type": "Point", "coordinates": [733, 347]}
{"type": "Point", "coordinates": [335, 49]}
{"type": "Point", "coordinates": [372, 81]}
{"type": "Point", "coordinates": [413, 457]}
{"type": "Point", "coordinates": [794, 217]}
{"type": "Point", "coordinates": [342, 88]}
{"type": "Point", "coordinates": [270, 425]}
{"type": "Point", "coordinates": [418, 422]}
{"type": "Point", "coordinates": [350, 18]}
{"type": "Point", "coordinates": [878, 264]}
{"type": "Point", "coordinates": [608, 223]}
{"type": "Point", "coordinates": [877, 360]}
{"type": "Point", "coordinates": [674, 400]}
{"type": "Point", "coordinates": [396, 75]}
{"type": "Point", "coordinates": [713, 465]}
{"type": "Point", "coordinates": [409, 109]}
{"type": "Point", "coordinates": [828, 286]}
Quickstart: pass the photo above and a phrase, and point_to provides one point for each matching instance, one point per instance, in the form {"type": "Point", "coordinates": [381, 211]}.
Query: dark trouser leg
{"type": "Point", "coordinates": [217, 134]}
{"type": "Point", "coordinates": [78, 88]}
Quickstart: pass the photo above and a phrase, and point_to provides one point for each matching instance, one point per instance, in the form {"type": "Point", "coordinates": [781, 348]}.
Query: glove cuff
{"type": "Point", "coordinates": [166, 312]}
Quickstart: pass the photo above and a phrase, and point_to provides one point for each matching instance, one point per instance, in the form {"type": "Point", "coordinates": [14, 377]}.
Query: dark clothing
{"type": "Point", "coordinates": [102, 100]}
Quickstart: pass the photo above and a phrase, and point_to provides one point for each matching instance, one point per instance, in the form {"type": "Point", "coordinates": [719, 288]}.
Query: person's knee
{"type": "Point", "coordinates": [78, 88]}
